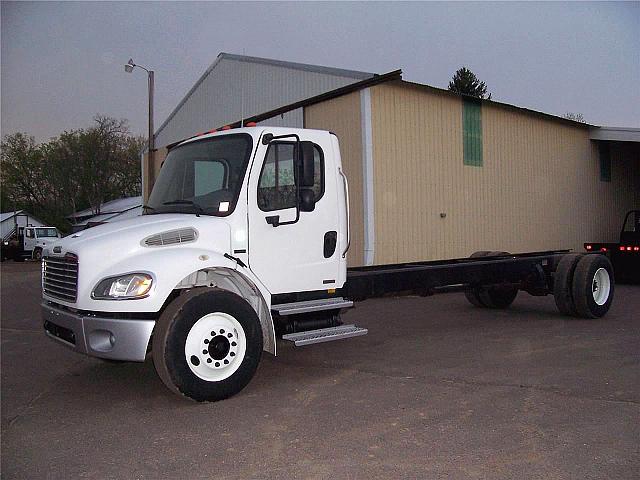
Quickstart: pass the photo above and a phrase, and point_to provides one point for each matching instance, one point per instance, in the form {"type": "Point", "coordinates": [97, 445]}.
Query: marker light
{"type": "Point", "coordinates": [124, 287]}
{"type": "Point", "coordinates": [636, 249]}
{"type": "Point", "coordinates": [604, 249]}
{"type": "Point", "coordinates": [251, 124]}
{"type": "Point", "coordinates": [226, 127]}
{"type": "Point", "coordinates": [588, 247]}
{"type": "Point", "coordinates": [622, 249]}
{"type": "Point", "coordinates": [628, 249]}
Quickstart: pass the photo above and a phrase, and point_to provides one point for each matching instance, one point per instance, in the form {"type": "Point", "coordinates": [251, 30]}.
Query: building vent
{"type": "Point", "coordinates": [171, 237]}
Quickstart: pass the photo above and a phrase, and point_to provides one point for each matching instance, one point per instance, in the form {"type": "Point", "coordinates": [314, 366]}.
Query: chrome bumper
{"type": "Point", "coordinates": [112, 338]}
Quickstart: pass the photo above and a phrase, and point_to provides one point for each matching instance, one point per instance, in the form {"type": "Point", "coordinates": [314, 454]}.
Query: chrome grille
{"type": "Point", "coordinates": [60, 277]}
{"type": "Point", "coordinates": [182, 235]}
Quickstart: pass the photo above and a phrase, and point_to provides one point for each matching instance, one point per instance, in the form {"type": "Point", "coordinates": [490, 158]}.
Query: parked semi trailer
{"type": "Point", "coordinates": [624, 255]}
{"type": "Point", "coordinates": [245, 237]}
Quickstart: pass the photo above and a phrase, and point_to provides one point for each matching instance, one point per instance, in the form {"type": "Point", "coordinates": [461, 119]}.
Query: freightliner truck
{"type": "Point", "coordinates": [245, 238]}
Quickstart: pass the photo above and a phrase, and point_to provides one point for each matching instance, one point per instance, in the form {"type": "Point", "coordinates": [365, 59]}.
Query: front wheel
{"type": "Point", "coordinates": [207, 344]}
{"type": "Point", "coordinates": [37, 254]}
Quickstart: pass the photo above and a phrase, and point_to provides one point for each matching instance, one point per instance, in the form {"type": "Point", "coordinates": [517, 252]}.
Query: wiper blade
{"type": "Point", "coordinates": [185, 202]}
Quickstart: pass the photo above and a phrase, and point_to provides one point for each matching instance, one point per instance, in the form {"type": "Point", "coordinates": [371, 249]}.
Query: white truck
{"type": "Point", "coordinates": [245, 237]}
{"type": "Point", "coordinates": [28, 242]}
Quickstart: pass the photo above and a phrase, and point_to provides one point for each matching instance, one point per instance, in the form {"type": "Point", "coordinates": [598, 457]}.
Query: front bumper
{"type": "Point", "coordinates": [112, 338]}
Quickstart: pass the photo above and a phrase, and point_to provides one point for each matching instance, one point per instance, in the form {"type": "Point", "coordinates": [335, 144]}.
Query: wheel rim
{"type": "Point", "coordinates": [601, 286]}
{"type": "Point", "coordinates": [215, 346]}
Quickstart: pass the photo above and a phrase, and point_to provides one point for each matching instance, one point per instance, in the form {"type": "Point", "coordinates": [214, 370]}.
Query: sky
{"type": "Point", "coordinates": [62, 63]}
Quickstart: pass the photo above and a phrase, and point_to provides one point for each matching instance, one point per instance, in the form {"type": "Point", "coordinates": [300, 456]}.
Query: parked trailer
{"type": "Point", "coordinates": [245, 237]}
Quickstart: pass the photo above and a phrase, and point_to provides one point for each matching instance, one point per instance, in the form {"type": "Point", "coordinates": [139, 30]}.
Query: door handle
{"type": "Point", "coordinates": [273, 220]}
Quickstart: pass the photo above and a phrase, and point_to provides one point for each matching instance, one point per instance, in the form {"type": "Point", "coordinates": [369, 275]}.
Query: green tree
{"type": "Point", "coordinates": [78, 169]}
{"type": "Point", "coordinates": [465, 82]}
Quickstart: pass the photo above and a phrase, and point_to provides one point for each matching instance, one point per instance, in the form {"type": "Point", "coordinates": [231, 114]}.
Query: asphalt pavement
{"type": "Point", "coordinates": [437, 389]}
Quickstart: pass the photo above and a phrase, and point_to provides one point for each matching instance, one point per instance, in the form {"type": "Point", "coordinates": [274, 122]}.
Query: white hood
{"type": "Point", "coordinates": [117, 248]}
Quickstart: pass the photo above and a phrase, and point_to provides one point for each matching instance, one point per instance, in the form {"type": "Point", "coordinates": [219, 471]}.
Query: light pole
{"type": "Point", "coordinates": [129, 68]}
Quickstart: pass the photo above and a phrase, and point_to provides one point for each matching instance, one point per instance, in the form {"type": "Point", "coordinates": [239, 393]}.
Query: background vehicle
{"type": "Point", "coordinates": [625, 255]}
{"type": "Point", "coordinates": [28, 242]}
{"type": "Point", "coordinates": [246, 235]}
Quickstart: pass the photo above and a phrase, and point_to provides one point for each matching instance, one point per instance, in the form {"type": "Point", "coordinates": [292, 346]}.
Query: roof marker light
{"type": "Point", "coordinates": [226, 127]}
{"type": "Point", "coordinates": [251, 124]}
{"type": "Point", "coordinates": [212, 131]}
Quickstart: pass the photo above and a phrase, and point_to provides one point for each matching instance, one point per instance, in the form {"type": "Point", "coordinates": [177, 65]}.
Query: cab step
{"type": "Point", "coordinates": [325, 335]}
{"type": "Point", "coordinates": [309, 306]}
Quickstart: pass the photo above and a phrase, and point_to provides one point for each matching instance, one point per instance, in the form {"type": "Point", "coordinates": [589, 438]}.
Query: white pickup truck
{"type": "Point", "coordinates": [244, 238]}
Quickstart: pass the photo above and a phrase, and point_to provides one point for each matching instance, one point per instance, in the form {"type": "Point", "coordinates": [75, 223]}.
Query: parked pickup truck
{"type": "Point", "coordinates": [245, 237]}
{"type": "Point", "coordinates": [625, 255]}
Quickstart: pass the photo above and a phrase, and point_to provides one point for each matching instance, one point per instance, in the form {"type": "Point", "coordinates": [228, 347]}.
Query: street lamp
{"type": "Point", "coordinates": [129, 68]}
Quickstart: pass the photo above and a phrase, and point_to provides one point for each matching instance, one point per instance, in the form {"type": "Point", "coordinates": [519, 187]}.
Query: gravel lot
{"type": "Point", "coordinates": [438, 389]}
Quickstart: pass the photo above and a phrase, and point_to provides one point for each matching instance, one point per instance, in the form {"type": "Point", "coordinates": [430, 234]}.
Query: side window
{"type": "Point", "coordinates": [277, 184]}
{"type": "Point", "coordinates": [29, 233]}
{"type": "Point", "coordinates": [277, 188]}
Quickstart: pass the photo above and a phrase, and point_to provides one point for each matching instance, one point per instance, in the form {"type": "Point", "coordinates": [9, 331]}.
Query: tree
{"type": "Point", "coordinates": [78, 169]}
{"type": "Point", "coordinates": [576, 117]}
{"type": "Point", "coordinates": [465, 82]}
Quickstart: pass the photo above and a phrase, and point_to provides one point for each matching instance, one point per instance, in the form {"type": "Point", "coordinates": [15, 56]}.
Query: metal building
{"type": "Point", "coordinates": [436, 175]}
{"type": "Point", "coordinates": [236, 85]}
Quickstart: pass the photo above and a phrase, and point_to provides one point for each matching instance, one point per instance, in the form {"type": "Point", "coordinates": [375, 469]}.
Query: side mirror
{"type": "Point", "coordinates": [307, 164]}
{"type": "Point", "coordinates": [307, 200]}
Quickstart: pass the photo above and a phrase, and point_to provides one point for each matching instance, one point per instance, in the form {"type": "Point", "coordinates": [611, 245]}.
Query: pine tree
{"type": "Point", "coordinates": [465, 82]}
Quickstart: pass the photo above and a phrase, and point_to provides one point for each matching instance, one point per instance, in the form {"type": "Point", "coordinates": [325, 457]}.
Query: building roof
{"type": "Point", "coordinates": [338, 72]}
{"type": "Point", "coordinates": [7, 215]}
{"type": "Point", "coordinates": [616, 134]}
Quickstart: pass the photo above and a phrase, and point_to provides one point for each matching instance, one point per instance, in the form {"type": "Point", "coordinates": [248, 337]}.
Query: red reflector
{"type": "Point", "coordinates": [251, 124]}
{"type": "Point", "coordinates": [588, 247]}
{"type": "Point", "coordinates": [226, 127]}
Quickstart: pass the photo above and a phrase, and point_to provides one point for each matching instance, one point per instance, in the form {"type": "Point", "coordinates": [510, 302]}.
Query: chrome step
{"type": "Point", "coordinates": [325, 335]}
{"type": "Point", "coordinates": [311, 306]}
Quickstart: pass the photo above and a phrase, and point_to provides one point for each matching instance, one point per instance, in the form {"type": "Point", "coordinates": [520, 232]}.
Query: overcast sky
{"type": "Point", "coordinates": [63, 62]}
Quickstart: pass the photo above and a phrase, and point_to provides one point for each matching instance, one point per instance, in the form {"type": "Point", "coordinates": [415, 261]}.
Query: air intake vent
{"type": "Point", "coordinates": [171, 237]}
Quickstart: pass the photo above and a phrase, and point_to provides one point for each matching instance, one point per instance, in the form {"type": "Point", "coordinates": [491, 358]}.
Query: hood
{"type": "Point", "coordinates": [125, 237]}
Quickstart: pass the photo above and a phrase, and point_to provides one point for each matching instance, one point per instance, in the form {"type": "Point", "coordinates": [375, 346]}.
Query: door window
{"type": "Point", "coordinates": [277, 184]}
{"type": "Point", "coordinates": [29, 233]}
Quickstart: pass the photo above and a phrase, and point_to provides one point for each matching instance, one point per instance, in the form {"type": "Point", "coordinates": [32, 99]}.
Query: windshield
{"type": "Point", "coordinates": [202, 177]}
{"type": "Point", "coordinates": [46, 232]}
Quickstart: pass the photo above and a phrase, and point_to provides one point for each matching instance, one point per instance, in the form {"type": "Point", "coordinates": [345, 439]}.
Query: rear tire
{"type": "Point", "coordinates": [498, 297]}
{"type": "Point", "coordinates": [473, 294]}
{"type": "Point", "coordinates": [562, 283]}
{"type": "Point", "coordinates": [186, 340]}
{"type": "Point", "coordinates": [593, 286]}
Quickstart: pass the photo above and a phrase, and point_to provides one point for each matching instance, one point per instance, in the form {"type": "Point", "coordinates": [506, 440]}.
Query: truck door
{"type": "Point", "coordinates": [290, 250]}
{"type": "Point", "coordinates": [29, 239]}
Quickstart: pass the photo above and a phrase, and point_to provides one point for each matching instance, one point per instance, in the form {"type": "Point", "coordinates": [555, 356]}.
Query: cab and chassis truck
{"type": "Point", "coordinates": [245, 238]}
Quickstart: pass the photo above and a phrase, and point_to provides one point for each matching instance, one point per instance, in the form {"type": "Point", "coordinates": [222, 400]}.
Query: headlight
{"type": "Point", "coordinates": [123, 287]}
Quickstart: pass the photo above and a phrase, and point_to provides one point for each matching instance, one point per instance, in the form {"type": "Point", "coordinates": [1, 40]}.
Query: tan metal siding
{"type": "Point", "coordinates": [342, 116]}
{"type": "Point", "coordinates": [539, 187]}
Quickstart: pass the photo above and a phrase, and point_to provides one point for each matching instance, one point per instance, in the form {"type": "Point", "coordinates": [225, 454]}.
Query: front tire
{"type": "Point", "coordinates": [37, 254]}
{"type": "Point", "coordinates": [207, 344]}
